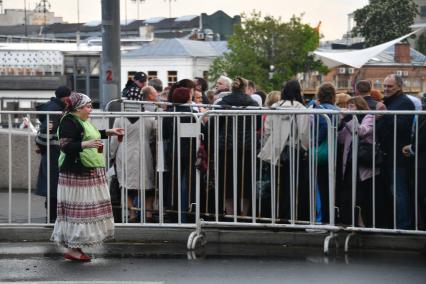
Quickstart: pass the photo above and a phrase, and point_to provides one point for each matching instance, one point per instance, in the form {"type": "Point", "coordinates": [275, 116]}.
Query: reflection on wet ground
{"type": "Point", "coordinates": [172, 263]}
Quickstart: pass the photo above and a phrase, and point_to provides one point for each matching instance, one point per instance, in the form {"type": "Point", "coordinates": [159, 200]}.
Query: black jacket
{"type": "Point", "coordinates": [385, 128]}
{"type": "Point", "coordinates": [54, 104]}
{"type": "Point", "coordinates": [132, 92]}
{"type": "Point", "coordinates": [243, 123]}
{"type": "Point", "coordinates": [372, 103]}
{"type": "Point", "coordinates": [421, 142]}
{"type": "Point", "coordinates": [187, 145]}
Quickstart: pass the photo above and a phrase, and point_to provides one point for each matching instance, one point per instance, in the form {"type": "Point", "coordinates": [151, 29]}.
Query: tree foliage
{"type": "Point", "coordinates": [261, 42]}
{"type": "Point", "coordinates": [421, 43]}
{"type": "Point", "coordinates": [384, 20]}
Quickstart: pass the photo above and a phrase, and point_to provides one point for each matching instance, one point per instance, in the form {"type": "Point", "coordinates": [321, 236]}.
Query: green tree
{"type": "Point", "coordinates": [384, 20]}
{"type": "Point", "coordinates": [261, 42]}
{"type": "Point", "coordinates": [421, 43]}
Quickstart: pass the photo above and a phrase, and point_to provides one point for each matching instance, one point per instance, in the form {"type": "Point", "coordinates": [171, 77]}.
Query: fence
{"type": "Point", "coordinates": [258, 168]}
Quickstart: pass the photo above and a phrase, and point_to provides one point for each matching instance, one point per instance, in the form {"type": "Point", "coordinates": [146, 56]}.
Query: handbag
{"type": "Point", "coordinates": [321, 153]}
{"type": "Point", "coordinates": [365, 154]}
{"type": "Point", "coordinates": [201, 162]}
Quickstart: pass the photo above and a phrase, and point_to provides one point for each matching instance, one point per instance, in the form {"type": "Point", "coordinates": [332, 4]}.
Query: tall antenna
{"type": "Point", "coordinates": [43, 7]}
{"type": "Point", "coordinates": [138, 3]}
{"type": "Point", "coordinates": [78, 23]}
{"type": "Point", "coordinates": [170, 7]}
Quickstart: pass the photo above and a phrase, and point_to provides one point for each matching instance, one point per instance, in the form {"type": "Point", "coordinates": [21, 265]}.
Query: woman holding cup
{"type": "Point", "coordinates": [84, 207]}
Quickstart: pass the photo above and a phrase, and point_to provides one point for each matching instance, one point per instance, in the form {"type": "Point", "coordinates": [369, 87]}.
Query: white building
{"type": "Point", "coordinates": [171, 60]}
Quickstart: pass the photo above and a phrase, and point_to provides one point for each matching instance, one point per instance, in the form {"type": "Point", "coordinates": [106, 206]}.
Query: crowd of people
{"type": "Point", "coordinates": [279, 148]}
{"type": "Point", "coordinates": [280, 136]}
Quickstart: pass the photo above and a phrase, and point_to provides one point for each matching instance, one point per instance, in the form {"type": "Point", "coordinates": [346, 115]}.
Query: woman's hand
{"type": "Point", "coordinates": [91, 143]}
{"type": "Point", "coordinates": [115, 131]}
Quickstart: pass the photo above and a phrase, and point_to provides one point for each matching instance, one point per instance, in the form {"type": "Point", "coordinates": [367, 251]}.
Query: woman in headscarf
{"type": "Point", "coordinates": [84, 207]}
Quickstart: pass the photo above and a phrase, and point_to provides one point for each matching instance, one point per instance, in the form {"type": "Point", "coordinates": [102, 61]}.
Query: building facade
{"type": "Point", "coordinates": [399, 59]}
{"type": "Point", "coordinates": [171, 60]}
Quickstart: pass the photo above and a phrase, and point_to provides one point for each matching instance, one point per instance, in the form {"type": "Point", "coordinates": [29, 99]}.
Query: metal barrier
{"type": "Point", "coordinates": [251, 178]}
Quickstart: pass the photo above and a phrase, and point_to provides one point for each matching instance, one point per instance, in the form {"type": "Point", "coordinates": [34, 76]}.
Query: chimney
{"type": "Point", "coordinates": [402, 53]}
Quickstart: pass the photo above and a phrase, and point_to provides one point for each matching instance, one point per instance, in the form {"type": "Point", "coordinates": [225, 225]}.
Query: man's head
{"type": "Point", "coordinates": [149, 94]}
{"type": "Point", "coordinates": [327, 93]}
{"type": "Point", "coordinates": [223, 84]}
{"type": "Point", "coordinates": [198, 97]}
{"type": "Point", "coordinates": [62, 92]}
{"type": "Point", "coordinates": [392, 85]}
{"type": "Point", "coordinates": [363, 88]}
{"type": "Point", "coordinates": [140, 79]}
{"type": "Point", "coordinates": [157, 84]}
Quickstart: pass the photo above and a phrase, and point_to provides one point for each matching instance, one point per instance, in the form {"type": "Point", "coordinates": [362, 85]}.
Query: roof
{"type": "Point", "coordinates": [180, 47]}
{"type": "Point", "coordinates": [161, 24]}
{"type": "Point", "coordinates": [387, 58]}
{"type": "Point", "coordinates": [19, 30]}
{"type": "Point", "coordinates": [356, 58]}
{"type": "Point", "coordinates": [43, 46]}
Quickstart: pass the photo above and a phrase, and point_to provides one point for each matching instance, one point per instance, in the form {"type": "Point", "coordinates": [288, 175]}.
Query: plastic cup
{"type": "Point", "coordinates": [101, 148]}
{"type": "Point", "coordinates": [120, 138]}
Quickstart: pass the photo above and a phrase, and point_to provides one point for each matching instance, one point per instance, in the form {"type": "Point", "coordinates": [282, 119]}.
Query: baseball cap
{"type": "Point", "coordinates": [62, 91]}
{"type": "Point", "coordinates": [141, 77]}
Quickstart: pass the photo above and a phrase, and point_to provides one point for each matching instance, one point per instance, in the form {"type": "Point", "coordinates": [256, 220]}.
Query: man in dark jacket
{"type": "Point", "coordinates": [49, 124]}
{"type": "Point", "coordinates": [243, 145]}
{"type": "Point", "coordinates": [397, 180]}
{"type": "Point", "coordinates": [133, 89]}
{"type": "Point", "coordinates": [411, 151]}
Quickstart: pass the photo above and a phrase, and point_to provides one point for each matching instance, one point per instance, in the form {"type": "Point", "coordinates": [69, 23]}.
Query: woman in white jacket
{"type": "Point", "coordinates": [134, 160]}
{"type": "Point", "coordinates": [286, 140]}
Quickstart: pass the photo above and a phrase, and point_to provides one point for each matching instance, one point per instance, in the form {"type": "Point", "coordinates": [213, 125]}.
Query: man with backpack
{"type": "Point", "coordinates": [49, 124]}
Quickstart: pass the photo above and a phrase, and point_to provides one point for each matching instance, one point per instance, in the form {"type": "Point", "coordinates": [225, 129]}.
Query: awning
{"type": "Point", "coordinates": [356, 58]}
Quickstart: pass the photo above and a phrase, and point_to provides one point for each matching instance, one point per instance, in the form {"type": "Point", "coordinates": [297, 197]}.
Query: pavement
{"type": "Point", "coordinates": [159, 255]}
{"type": "Point", "coordinates": [216, 263]}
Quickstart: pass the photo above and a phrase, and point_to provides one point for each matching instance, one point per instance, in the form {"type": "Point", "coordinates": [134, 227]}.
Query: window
{"type": "Point", "coordinates": [172, 77]}
{"type": "Point", "coordinates": [423, 11]}
{"type": "Point", "coordinates": [378, 84]}
{"type": "Point", "coordinates": [342, 83]}
{"type": "Point", "coordinates": [152, 75]}
{"type": "Point", "coordinates": [130, 75]}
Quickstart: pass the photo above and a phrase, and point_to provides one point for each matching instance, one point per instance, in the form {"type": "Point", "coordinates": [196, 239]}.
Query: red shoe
{"type": "Point", "coordinates": [82, 258]}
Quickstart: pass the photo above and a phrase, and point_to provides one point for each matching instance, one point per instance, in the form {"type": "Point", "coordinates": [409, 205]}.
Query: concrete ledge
{"type": "Point", "coordinates": [219, 236]}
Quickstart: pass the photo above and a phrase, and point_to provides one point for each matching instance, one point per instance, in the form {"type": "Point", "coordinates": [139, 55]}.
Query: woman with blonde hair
{"type": "Point", "coordinates": [342, 100]}
{"type": "Point", "coordinates": [272, 98]}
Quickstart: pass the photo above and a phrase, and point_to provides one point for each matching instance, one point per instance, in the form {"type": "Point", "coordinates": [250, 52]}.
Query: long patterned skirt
{"type": "Point", "coordinates": [84, 210]}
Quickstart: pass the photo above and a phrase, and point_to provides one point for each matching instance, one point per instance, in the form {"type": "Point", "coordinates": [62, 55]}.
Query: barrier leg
{"type": "Point", "coordinates": [332, 236]}
{"type": "Point", "coordinates": [197, 237]}
{"type": "Point", "coordinates": [347, 240]}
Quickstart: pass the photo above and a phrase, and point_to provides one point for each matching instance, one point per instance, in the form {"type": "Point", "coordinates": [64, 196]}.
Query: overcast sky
{"type": "Point", "coordinates": [332, 13]}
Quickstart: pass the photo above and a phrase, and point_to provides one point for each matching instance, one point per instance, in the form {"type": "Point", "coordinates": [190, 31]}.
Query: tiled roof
{"type": "Point", "coordinates": [180, 47]}
{"type": "Point", "coordinates": [387, 57]}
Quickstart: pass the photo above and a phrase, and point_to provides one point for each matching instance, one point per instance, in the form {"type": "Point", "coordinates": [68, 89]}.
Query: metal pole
{"type": "Point", "coordinates": [110, 58]}
{"type": "Point", "coordinates": [25, 18]}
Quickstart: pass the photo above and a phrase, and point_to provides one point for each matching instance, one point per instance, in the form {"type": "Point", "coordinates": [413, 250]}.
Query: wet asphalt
{"type": "Point", "coordinates": [172, 263]}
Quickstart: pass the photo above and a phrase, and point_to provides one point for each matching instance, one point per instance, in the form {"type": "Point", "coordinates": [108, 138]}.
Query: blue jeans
{"type": "Point", "coordinates": [403, 213]}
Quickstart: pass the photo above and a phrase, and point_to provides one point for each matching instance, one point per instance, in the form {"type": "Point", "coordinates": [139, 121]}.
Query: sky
{"type": "Point", "coordinates": [332, 13]}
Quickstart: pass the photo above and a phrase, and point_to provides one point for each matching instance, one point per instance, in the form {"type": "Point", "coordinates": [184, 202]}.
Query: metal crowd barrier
{"type": "Point", "coordinates": [236, 188]}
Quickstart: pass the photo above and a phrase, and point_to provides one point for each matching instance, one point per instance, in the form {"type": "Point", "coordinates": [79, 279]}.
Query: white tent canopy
{"type": "Point", "coordinates": [356, 58]}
